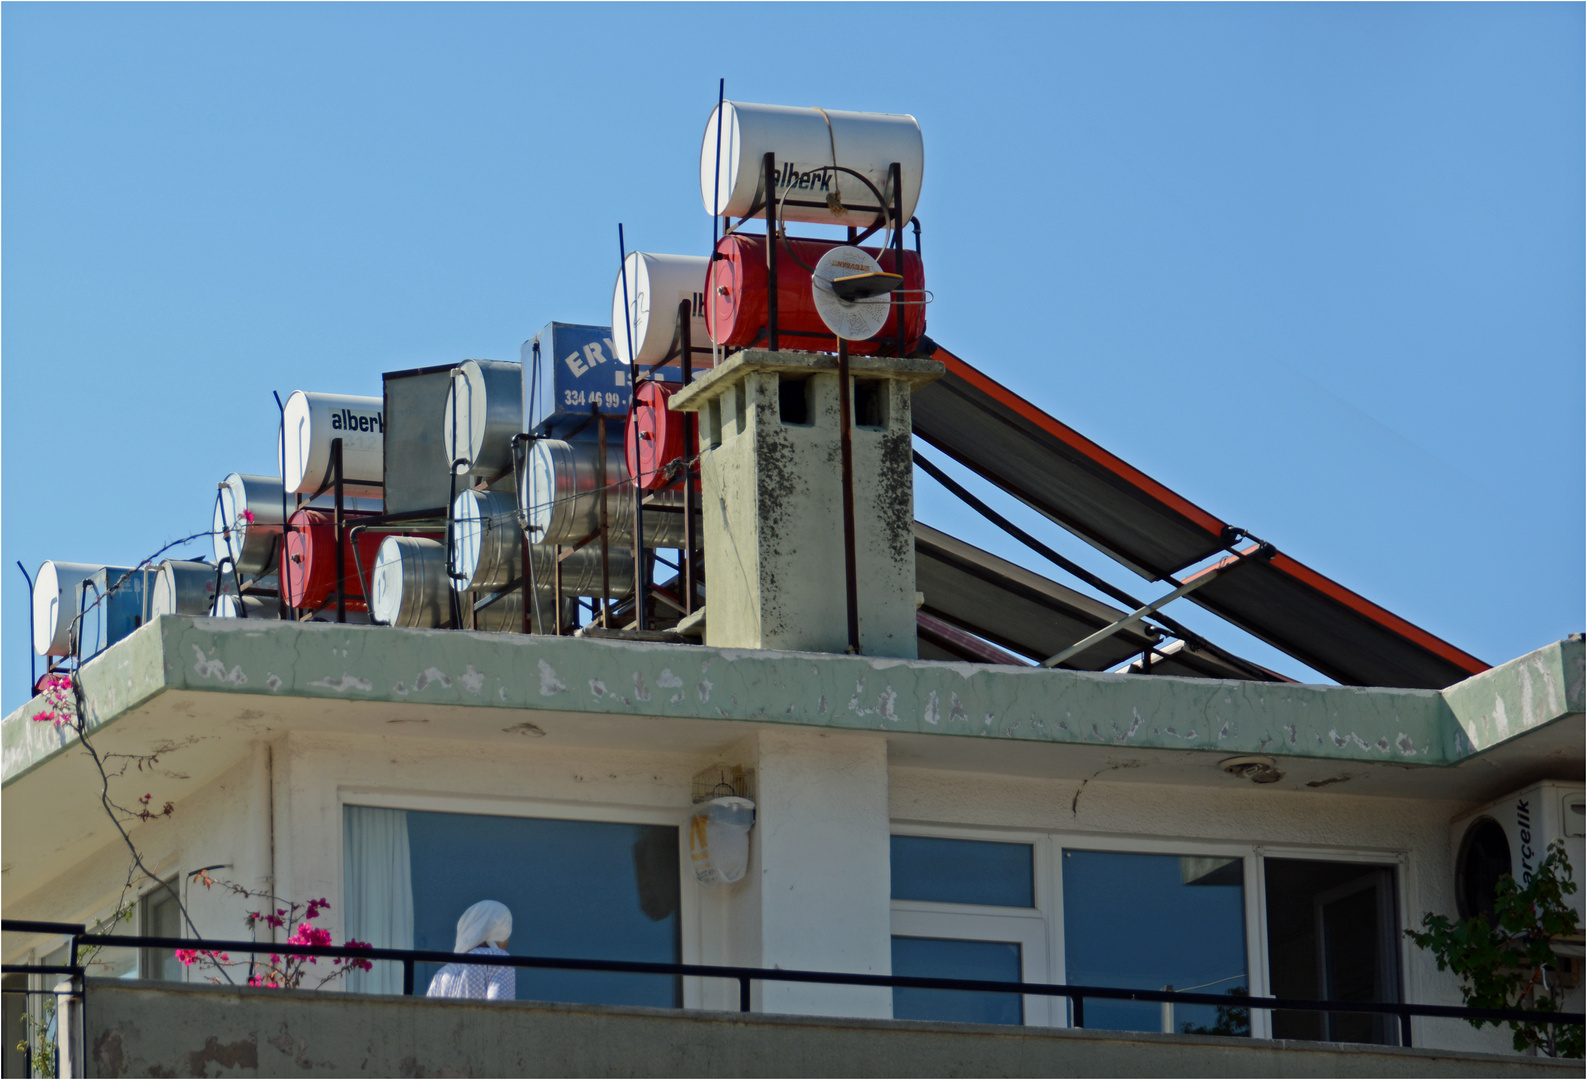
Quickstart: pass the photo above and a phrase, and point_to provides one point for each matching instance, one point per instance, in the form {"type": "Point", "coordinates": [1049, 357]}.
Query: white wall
{"type": "Point", "coordinates": [817, 892]}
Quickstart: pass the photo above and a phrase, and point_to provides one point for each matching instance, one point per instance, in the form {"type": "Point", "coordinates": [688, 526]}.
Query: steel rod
{"type": "Point", "coordinates": [851, 582]}
{"type": "Point", "coordinates": [341, 535]}
{"type": "Point", "coordinates": [690, 449]}
{"type": "Point", "coordinates": [771, 250]}
{"type": "Point", "coordinates": [283, 564]}
{"type": "Point", "coordinates": [1146, 609]}
{"type": "Point", "coordinates": [606, 549]}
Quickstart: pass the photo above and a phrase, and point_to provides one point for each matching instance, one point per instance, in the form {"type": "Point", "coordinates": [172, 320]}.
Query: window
{"type": "Point", "coordinates": [966, 909]}
{"type": "Point", "coordinates": [159, 915]}
{"type": "Point", "coordinates": [582, 889]}
{"type": "Point", "coordinates": [1213, 917]}
{"type": "Point", "coordinates": [154, 914]}
{"type": "Point", "coordinates": [1332, 936]}
{"type": "Point", "coordinates": [1156, 922]}
{"type": "Point", "coordinates": [15, 1031]}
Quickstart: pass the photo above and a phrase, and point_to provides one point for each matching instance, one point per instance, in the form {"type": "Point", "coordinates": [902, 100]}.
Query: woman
{"type": "Point", "coordinates": [482, 931]}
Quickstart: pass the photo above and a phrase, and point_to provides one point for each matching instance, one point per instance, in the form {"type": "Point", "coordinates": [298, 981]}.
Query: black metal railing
{"type": "Point", "coordinates": [745, 976]}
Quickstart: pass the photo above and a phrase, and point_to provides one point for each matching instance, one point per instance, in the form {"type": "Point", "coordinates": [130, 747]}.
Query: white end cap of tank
{"type": "Point", "coordinates": [855, 320]}
{"type": "Point", "coordinates": [55, 596]}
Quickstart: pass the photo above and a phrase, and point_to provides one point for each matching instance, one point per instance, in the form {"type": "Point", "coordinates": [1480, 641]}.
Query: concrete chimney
{"type": "Point", "coordinates": [771, 498]}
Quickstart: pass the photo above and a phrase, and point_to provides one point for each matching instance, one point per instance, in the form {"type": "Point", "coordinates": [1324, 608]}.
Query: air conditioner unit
{"type": "Point", "coordinates": [1511, 835]}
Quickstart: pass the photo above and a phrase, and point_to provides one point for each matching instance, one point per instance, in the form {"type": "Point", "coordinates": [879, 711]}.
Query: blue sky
{"type": "Point", "coordinates": [1319, 268]}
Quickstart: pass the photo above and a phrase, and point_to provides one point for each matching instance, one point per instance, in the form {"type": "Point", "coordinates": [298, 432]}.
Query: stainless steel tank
{"type": "Point", "coordinates": [181, 587]}
{"type": "Point", "coordinates": [408, 586]}
{"type": "Point", "coordinates": [250, 544]}
{"type": "Point", "coordinates": [254, 545]}
{"type": "Point", "coordinates": [488, 551]}
{"type": "Point", "coordinates": [560, 501]}
{"type": "Point", "coordinates": [484, 410]}
{"type": "Point", "coordinates": [228, 606]}
{"type": "Point", "coordinates": [57, 591]}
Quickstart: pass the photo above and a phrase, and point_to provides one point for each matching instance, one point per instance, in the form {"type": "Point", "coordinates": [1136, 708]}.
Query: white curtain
{"type": "Point", "coordinates": [378, 890]}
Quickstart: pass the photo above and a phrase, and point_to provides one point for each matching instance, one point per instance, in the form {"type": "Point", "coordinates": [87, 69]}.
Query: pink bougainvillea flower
{"type": "Point", "coordinates": [247, 515]}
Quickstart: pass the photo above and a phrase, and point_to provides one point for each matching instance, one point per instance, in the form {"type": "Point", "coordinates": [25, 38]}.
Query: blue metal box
{"type": "Point", "coordinates": [569, 371]}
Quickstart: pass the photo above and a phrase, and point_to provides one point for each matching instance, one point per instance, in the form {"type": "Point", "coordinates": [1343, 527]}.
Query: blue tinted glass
{"type": "Point", "coordinates": [588, 889]}
{"type": "Point", "coordinates": [1150, 922]}
{"type": "Point", "coordinates": [939, 958]}
{"type": "Point", "coordinates": [962, 871]}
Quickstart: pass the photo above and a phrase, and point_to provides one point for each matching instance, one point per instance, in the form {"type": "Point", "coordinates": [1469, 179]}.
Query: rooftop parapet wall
{"type": "Point", "coordinates": [852, 693]}
{"type": "Point", "coordinates": [1514, 698]}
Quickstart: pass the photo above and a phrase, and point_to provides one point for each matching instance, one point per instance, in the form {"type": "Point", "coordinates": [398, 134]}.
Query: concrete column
{"type": "Point", "coordinates": [818, 892]}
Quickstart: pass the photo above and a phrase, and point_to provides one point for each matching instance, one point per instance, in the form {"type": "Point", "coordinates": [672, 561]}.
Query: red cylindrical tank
{"type": "Point", "coordinates": [310, 581]}
{"type": "Point", "coordinates": [735, 306]}
{"type": "Point", "coordinates": [656, 435]}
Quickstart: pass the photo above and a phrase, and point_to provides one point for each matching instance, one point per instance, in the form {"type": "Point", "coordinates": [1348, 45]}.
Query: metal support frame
{"type": "Point", "coordinates": [1260, 551]}
{"type": "Point", "coordinates": [1102, 585]}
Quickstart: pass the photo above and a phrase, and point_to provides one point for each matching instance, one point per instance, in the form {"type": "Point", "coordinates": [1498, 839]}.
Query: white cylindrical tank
{"type": "Point", "coordinates": [227, 606]}
{"type": "Point", "coordinates": [488, 543]}
{"type": "Point", "coordinates": [56, 597]}
{"type": "Point", "coordinates": [560, 502]}
{"type": "Point", "coordinates": [485, 405]}
{"type": "Point", "coordinates": [312, 422]}
{"type": "Point", "coordinates": [408, 585]}
{"type": "Point", "coordinates": [656, 284]}
{"type": "Point", "coordinates": [804, 142]}
{"type": "Point", "coordinates": [181, 587]}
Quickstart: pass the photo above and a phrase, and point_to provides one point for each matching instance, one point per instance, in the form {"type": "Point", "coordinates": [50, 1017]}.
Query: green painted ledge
{"type": "Point", "coordinates": [622, 678]}
{"type": "Point", "coordinates": [1514, 698]}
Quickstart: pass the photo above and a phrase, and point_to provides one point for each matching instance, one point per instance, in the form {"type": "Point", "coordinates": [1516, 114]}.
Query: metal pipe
{"type": "Point", "coordinates": [33, 659]}
{"type": "Point", "coordinates": [690, 443]}
{"type": "Point", "coordinates": [286, 519]}
{"type": "Point", "coordinates": [638, 492]}
{"type": "Point", "coordinates": [341, 535]}
{"type": "Point", "coordinates": [771, 249]}
{"type": "Point", "coordinates": [897, 172]}
{"type": "Point", "coordinates": [851, 581]}
{"type": "Point", "coordinates": [716, 201]}
{"type": "Point", "coordinates": [606, 546]}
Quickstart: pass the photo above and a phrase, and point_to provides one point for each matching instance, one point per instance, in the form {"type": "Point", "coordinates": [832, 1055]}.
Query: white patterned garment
{"type": "Point", "coordinates": [476, 980]}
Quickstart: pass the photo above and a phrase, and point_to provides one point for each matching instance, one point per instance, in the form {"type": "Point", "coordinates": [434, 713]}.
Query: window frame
{"type": "Point", "coordinates": [689, 931]}
{"type": "Point", "coordinates": [1048, 848]}
{"type": "Point", "coordinates": [1030, 927]}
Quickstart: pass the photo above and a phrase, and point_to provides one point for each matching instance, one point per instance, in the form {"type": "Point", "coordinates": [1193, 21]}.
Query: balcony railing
{"type": "Point", "coordinates": [745, 976]}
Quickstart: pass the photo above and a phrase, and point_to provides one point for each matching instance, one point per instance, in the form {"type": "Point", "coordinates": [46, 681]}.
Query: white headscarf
{"type": "Point", "coordinates": [486, 923]}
